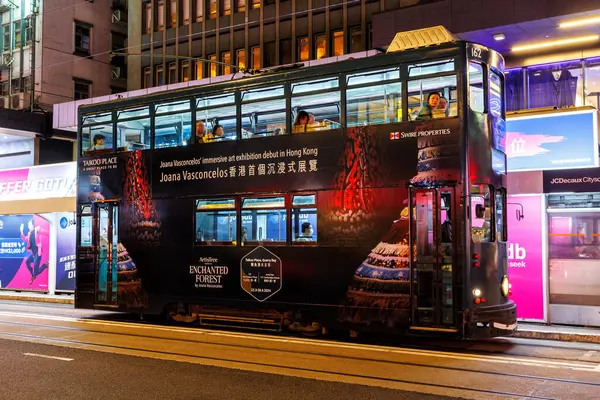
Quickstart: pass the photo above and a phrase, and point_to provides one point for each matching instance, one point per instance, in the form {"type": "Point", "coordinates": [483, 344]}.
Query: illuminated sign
{"type": "Point", "coordinates": [40, 182]}
{"type": "Point", "coordinates": [562, 140]}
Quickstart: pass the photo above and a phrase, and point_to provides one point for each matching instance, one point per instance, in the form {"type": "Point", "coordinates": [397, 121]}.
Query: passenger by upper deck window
{"type": "Point", "coordinates": [436, 107]}
{"type": "Point", "coordinates": [98, 143]}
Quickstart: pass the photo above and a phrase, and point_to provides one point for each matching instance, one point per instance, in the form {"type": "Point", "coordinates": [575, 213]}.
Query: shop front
{"type": "Point", "coordinates": [37, 228]}
{"type": "Point", "coordinates": [554, 216]}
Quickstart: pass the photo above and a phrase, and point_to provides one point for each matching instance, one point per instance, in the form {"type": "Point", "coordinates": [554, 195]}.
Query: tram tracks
{"type": "Point", "coordinates": [385, 363]}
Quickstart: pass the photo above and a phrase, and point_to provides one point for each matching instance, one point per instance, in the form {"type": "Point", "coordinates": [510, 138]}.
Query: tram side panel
{"type": "Point", "coordinates": [358, 270]}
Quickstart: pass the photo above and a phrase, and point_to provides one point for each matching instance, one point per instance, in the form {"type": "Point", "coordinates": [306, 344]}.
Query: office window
{"type": "Point", "coordinates": [173, 13]}
{"type": "Point", "coordinates": [82, 38]}
{"type": "Point", "coordinates": [147, 18]}
{"type": "Point", "coordinates": [240, 56]}
{"type": "Point", "coordinates": [356, 44]}
{"type": "Point", "coordinates": [256, 57]}
{"type": "Point", "coordinates": [320, 46]}
{"type": "Point", "coordinates": [6, 37]}
{"type": "Point", "coordinates": [216, 221]}
{"type": "Point", "coordinates": [81, 89]}
{"type": "Point", "coordinates": [338, 43]}
{"type": "Point", "coordinates": [226, 58]}
{"type": "Point", "coordinates": [28, 30]}
{"type": "Point", "coordinates": [213, 9]}
{"type": "Point", "coordinates": [199, 70]}
{"type": "Point", "coordinates": [17, 37]}
{"type": "Point", "coordinates": [199, 10]}
{"type": "Point", "coordinates": [226, 7]}
{"type": "Point", "coordinates": [285, 51]}
{"type": "Point", "coordinates": [255, 3]}
{"type": "Point", "coordinates": [304, 219]}
{"type": "Point", "coordinates": [159, 77]}
{"type": "Point", "coordinates": [185, 71]}
{"type": "Point", "coordinates": [303, 53]}
{"type": "Point", "coordinates": [147, 75]}
{"type": "Point", "coordinates": [213, 66]}
{"type": "Point", "coordinates": [241, 5]}
{"type": "Point", "coordinates": [185, 12]}
{"type": "Point", "coordinates": [160, 17]}
{"type": "Point", "coordinates": [264, 218]}
{"type": "Point", "coordinates": [172, 73]}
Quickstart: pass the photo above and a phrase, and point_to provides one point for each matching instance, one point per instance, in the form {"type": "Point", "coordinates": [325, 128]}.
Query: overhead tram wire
{"type": "Point", "coordinates": [189, 36]}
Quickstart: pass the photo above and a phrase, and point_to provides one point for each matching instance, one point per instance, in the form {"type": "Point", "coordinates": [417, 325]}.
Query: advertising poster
{"type": "Point", "coordinates": [40, 182]}
{"type": "Point", "coordinates": [24, 250]}
{"type": "Point", "coordinates": [525, 256]}
{"type": "Point", "coordinates": [65, 252]}
{"type": "Point", "coordinates": [561, 140]}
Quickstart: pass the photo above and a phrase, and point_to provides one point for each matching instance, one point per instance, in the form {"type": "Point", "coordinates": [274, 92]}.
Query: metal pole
{"type": "Point", "coordinates": [33, 22]}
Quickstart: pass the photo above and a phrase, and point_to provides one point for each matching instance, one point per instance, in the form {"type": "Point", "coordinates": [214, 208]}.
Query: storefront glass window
{"type": "Point", "coordinates": [555, 85]}
{"type": "Point", "coordinates": [514, 89]}
{"type": "Point", "coordinates": [592, 82]}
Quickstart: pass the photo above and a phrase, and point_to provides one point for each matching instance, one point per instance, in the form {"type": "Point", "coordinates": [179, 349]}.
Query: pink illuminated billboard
{"type": "Point", "coordinates": [526, 256]}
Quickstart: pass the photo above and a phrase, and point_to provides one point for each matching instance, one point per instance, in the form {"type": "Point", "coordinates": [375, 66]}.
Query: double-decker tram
{"type": "Point", "coordinates": [366, 194]}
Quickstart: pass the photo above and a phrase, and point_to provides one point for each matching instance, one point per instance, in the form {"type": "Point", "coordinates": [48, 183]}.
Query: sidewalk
{"type": "Point", "coordinates": [557, 332]}
{"type": "Point", "coordinates": [37, 297]}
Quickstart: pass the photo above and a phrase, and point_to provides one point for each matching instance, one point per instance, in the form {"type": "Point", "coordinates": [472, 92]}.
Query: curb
{"type": "Point", "coordinates": [38, 299]}
{"type": "Point", "coordinates": [558, 336]}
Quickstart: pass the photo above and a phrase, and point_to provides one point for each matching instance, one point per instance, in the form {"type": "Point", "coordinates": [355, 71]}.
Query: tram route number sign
{"type": "Point", "coordinates": [261, 273]}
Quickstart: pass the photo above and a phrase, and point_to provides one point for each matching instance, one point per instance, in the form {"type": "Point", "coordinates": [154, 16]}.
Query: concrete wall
{"type": "Point", "coordinates": [59, 64]}
{"type": "Point", "coordinates": [460, 16]}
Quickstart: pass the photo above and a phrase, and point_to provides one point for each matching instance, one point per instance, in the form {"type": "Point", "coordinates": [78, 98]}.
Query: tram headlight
{"type": "Point", "coordinates": [505, 286]}
{"type": "Point", "coordinates": [476, 292]}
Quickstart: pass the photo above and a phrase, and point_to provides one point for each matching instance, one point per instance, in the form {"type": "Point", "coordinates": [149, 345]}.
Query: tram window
{"type": "Point", "coordinates": [263, 112]}
{"type": "Point", "coordinates": [476, 93]}
{"type": "Point", "coordinates": [172, 107]}
{"type": "Point", "coordinates": [481, 214]}
{"type": "Point", "coordinates": [96, 139]}
{"type": "Point", "coordinates": [428, 68]}
{"type": "Point", "coordinates": [133, 134]}
{"type": "Point", "coordinates": [172, 130]}
{"type": "Point", "coordinates": [380, 104]}
{"type": "Point", "coordinates": [501, 215]}
{"type": "Point", "coordinates": [323, 111]}
{"type": "Point", "coordinates": [432, 98]}
{"type": "Point", "coordinates": [373, 77]}
{"type": "Point", "coordinates": [264, 220]}
{"type": "Point", "coordinates": [496, 98]}
{"type": "Point", "coordinates": [212, 111]}
{"type": "Point", "coordinates": [86, 227]}
{"type": "Point", "coordinates": [133, 113]}
{"type": "Point", "coordinates": [304, 219]}
{"type": "Point", "coordinates": [216, 221]}
{"type": "Point", "coordinates": [315, 85]}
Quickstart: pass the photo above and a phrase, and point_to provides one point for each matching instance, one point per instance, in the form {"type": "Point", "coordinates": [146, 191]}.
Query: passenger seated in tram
{"type": "Point", "coordinates": [199, 131]}
{"type": "Point", "coordinates": [307, 233]}
{"type": "Point", "coordinates": [300, 122]}
{"type": "Point", "coordinates": [98, 143]}
{"type": "Point", "coordinates": [443, 107]}
{"type": "Point", "coordinates": [216, 134]}
{"type": "Point", "coordinates": [430, 110]}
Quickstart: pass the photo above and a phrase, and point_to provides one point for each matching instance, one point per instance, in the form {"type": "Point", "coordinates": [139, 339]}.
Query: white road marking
{"type": "Point", "coordinates": [322, 343]}
{"type": "Point", "coordinates": [45, 356]}
{"type": "Point", "coordinates": [589, 354]}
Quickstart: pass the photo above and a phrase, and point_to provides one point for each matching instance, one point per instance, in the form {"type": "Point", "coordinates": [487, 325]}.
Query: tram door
{"type": "Point", "coordinates": [432, 277]}
{"type": "Point", "coordinates": [106, 239]}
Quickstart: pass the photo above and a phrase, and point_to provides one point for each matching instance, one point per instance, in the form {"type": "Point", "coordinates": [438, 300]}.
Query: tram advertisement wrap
{"type": "Point", "coordinates": [24, 250]}
{"type": "Point", "coordinates": [65, 252]}
{"type": "Point", "coordinates": [525, 256]}
{"type": "Point", "coordinates": [359, 176]}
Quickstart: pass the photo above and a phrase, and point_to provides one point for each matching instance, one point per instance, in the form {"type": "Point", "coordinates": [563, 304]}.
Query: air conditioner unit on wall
{"type": "Point", "coordinates": [116, 16]}
{"type": "Point", "coordinates": [19, 101]}
{"type": "Point", "coordinates": [115, 73]}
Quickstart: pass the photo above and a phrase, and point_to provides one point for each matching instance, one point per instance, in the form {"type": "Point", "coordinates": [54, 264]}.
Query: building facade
{"type": "Point", "coordinates": [56, 51]}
